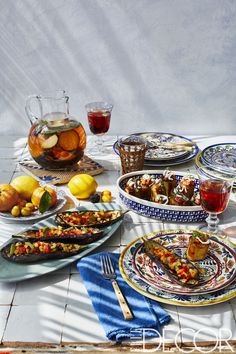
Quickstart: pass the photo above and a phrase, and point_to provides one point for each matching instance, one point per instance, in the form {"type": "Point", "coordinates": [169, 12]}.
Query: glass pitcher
{"type": "Point", "coordinates": [56, 140]}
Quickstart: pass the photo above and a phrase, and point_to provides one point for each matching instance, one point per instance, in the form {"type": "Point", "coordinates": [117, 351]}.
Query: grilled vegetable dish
{"type": "Point", "coordinates": [165, 189]}
{"type": "Point", "coordinates": [198, 246]}
{"type": "Point", "coordinates": [29, 252]}
{"type": "Point", "coordinates": [82, 236]}
{"type": "Point", "coordinates": [179, 269]}
{"type": "Point", "coordinates": [89, 218]}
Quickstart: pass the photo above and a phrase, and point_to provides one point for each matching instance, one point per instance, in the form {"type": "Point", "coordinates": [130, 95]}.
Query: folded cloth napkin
{"type": "Point", "coordinates": [148, 314]}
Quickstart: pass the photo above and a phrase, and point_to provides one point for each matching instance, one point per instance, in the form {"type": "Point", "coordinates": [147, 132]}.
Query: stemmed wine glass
{"type": "Point", "coordinates": [214, 188]}
{"type": "Point", "coordinates": [99, 116]}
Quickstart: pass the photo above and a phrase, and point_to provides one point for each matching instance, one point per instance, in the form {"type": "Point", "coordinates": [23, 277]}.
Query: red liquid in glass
{"type": "Point", "coordinates": [214, 196]}
{"type": "Point", "coordinates": [99, 121]}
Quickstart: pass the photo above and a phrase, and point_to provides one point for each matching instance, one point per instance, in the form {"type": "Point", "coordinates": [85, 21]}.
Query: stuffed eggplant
{"type": "Point", "coordinates": [30, 252]}
{"type": "Point", "coordinates": [198, 246]}
{"type": "Point", "coordinates": [81, 236]}
{"type": "Point", "coordinates": [169, 182]}
{"type": "Point", "coordinates": [179, 269]}
{"type": "Point", "coordinates": [89, 218]}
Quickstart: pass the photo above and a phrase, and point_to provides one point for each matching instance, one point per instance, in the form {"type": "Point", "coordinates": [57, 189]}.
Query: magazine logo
{"type": "Point", "coordinates": [219, 339]}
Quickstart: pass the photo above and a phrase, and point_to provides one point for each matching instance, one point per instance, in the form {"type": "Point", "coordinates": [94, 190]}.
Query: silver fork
{"type": "Point", "coordinates": [109, 273]}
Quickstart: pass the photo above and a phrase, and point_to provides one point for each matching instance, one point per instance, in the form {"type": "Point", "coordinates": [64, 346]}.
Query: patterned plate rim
{"type": "Point", "coordinates": [186, 155]}
{"type": "Point", "coordinates": [160, 299]}
{"type": "Point", "coordinates": [180, 156]}
{"type": "Point", "coordinates": [165, 163]}
{"type": "Point", "coordinates": [222, 286]}
{"type": "Point", "coordinates": [204, 151]}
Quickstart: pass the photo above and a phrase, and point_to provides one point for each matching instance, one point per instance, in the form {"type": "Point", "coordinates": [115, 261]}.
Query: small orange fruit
{"type": "Point", "coordinates": [8, 197]}
{"type": "Point", "coordinates": [68, 140]}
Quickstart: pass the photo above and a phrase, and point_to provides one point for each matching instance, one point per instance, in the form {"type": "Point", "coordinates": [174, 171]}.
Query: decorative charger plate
{"type": "Point", "coordinates": [216, 272]}
{"type": "Point", "coordinates": [221, 156]}
{"type": "Point", "coordinates": [136, 281]}
{"type": "Point", "coordinates": [10, 271]}
{"type": "Point", "coordinates": [36, 215]}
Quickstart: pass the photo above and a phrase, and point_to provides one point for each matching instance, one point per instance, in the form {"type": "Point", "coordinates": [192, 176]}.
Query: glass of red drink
{"type": "Point", "coordinates": [215, 189]}
{"type": "Point", "coordinates": [99, 116]}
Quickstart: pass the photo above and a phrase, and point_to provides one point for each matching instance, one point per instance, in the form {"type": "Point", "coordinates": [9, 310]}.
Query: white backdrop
{"type": "Point", "coordinates": [167, 65]}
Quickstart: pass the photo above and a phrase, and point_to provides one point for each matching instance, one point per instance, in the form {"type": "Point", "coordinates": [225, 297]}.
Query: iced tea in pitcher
{"type": "Point", "coordinates": [56, 140]}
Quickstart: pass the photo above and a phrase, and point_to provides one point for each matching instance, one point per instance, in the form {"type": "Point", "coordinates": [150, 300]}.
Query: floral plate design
{"type": "Point", "coordinates": [130, 270]}
{"type": "Point", "coordinates": [217, 270]}
{"type": "Point", "coordinates": [221, 156]}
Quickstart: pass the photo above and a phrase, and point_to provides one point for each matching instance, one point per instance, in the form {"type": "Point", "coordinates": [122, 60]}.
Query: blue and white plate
{"type": "Point", "coordinates": [156, 142]}
{"type": "Point", "coordinates": [221, 157]}
{"type": "Point", "coordinates": [154, 210]}
{"type": "Point", "coordinates": [213, 170]}
{"type": "Point", "coordinates": [160, 157]}
{"type": "Point", "coordinates": [133, 278]}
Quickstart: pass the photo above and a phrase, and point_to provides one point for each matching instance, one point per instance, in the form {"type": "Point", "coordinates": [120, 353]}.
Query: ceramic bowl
{"type": "Point", "coordinates": [154, 210]}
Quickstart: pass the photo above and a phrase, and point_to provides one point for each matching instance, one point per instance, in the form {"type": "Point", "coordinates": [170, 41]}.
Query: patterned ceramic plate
{"type": "Point", "coordinates": [157, 150]}
{"type": "Point", "coordinates": [131, 261]}
{"type": "Point", "coordinates": [165, 161]}
{"type": "Point", "coordinates": [221, 156]}
{"type": "Point", "coordinates": [217, 271]}
{"type": "Point", "coordinates": [37, 215]}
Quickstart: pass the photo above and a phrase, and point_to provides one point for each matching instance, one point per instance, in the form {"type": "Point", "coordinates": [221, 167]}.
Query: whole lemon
{"type": "Point", "coordinates": [25, 185]}
{"type": "Point", "coordinates": [82, 186]}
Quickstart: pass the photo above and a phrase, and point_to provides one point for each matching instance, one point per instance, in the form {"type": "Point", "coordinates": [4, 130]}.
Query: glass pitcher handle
{"type": "Point", "coordinates": [32, 117]}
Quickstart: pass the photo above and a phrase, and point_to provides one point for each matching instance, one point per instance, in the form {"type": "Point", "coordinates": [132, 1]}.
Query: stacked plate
{"type": "Point", "coordinates": [166, 149]}
{"type": "Point", "coordinates": [217, 271]}
{"type": "Point", "coordinates": [221, 157]}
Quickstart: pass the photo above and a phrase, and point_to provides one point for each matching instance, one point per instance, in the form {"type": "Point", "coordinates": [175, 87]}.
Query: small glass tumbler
{"type": "Point", "coordinates": [132, 151]}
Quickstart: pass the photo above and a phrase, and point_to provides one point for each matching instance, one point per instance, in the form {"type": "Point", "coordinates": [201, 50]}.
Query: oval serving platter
{"type": "Point", "coordinates": [10, 272]}
{"type": "Point", "coordinates": [156, 210]}
{"type": "Point", "coordinates": [217, 271]}
{"type": "Point", "coordinates": [131, 261]}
